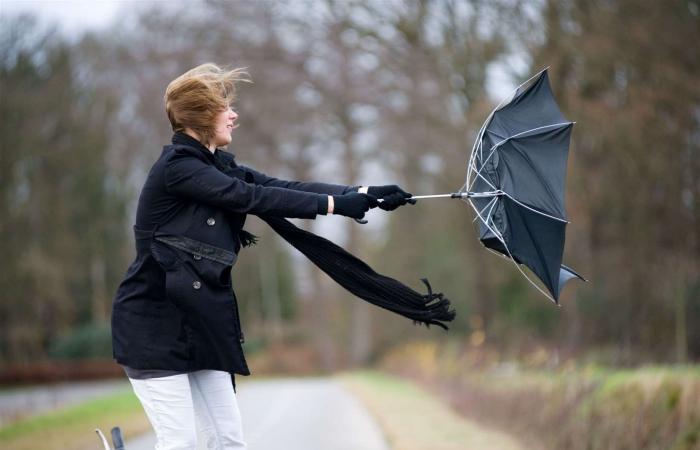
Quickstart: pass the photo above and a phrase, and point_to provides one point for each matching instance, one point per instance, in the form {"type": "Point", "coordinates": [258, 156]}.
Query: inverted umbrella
{"type": "Point", "coordinates": [515, 183]}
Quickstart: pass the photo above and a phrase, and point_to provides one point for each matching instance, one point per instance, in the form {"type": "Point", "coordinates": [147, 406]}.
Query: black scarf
{"type": "Point", "coordinates": [349, 271]}
{"type": "Point", "coordinates": [360, 279]}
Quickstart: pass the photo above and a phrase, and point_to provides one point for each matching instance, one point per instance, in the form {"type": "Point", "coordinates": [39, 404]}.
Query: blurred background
{"type": "Point", "coordinates": [377, 92]}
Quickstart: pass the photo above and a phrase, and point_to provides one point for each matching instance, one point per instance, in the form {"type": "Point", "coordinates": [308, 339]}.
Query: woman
{"type": "Point", "coordinates": [175, 324]}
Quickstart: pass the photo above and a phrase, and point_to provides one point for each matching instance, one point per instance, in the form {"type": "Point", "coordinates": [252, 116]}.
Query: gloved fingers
{"type": "Point", "coordinates": [372, 201]}
{"type": "Point", "coordinates": [386, 190]}
{"type": "Point", "coordinates": [397, 189]}
{"type": "Point", "coordinates": [393, 201]}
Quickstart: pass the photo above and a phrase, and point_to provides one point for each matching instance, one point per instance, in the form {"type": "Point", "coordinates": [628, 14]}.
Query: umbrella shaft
{"type": "Point", "coordinates": [457, 195]}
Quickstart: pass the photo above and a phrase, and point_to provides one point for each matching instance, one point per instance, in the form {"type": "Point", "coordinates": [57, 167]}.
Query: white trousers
{"type": "Point", "coordinates": [172, 403]}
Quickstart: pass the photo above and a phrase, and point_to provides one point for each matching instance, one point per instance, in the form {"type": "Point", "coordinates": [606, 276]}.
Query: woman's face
{"type": "Point", "coordinates": [224, 123]}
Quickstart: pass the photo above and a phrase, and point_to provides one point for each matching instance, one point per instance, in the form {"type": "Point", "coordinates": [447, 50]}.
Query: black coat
{"type": "Point", "coordinates": [175, 308]}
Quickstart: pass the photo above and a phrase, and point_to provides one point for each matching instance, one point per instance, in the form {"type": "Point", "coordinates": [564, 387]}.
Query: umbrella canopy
{"type": "Point", "coordinates": [516, 179]}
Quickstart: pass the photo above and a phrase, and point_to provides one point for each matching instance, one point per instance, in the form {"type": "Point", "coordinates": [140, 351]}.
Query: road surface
{"type": "Point", "coordinates": [297, 414]}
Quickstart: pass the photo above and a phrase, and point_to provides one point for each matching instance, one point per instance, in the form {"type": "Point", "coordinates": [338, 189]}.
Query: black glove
{"type": "Point", "coordinates": [393, 201]}
{"type": "Point", "coordinates": [387, 189]}
{"type": "Point", "coordinates": [392, 195]}
{"type": "Point", "coordinates": [353, 204]}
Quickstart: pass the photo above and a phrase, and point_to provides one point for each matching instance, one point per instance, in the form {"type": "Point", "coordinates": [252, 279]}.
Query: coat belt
{"type": "Point", "coordinates": [144, 239]}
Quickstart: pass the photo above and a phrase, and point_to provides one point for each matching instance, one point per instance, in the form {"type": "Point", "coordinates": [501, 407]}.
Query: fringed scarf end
{"type": "Point", "coordinates": [247, 239]}
{"type": "Point", "coordinates": [438, 311]}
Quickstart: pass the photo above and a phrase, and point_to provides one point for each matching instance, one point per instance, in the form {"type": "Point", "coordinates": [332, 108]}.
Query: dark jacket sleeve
{"type": "Point", "coordinates": [186, 175]}
{"type": "Point", "coordinates": [307, 186]}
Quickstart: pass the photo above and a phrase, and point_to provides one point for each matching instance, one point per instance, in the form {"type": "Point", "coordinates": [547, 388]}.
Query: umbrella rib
{"type": "Point", "coordinates": [529, 279]}
{"type": "Point", "coordinates": [508, 98]}
{"type": "Point", "coordinates": [495, 146]}
{"type": "Point", "coordinates": [499, 236]}
{"type": "Point", "coordinates": [534, 210]}
{"type": "Point", "coordinates": [514, 91]}
{"type": "Point", "coordinates": [486, 206]}
{"type": "Point", "coordinates": [539, 252]}
{"type": "Point", "coordinates": [496, 233]}
{"type": "Point", "coordinates": [463, 188]}
{"type": "Point", "coordinates": [478, 144]}
{"type": "Point", "coordinates": [560, 124]}
{"type": "Point", "coordinates": [470, 165]}
{"type": "Point", "coordinates": [536, 171]}
{"type": "Point", "coordinates": [479, 175]}
{"type": "Point", "coordinates": [489, 217]}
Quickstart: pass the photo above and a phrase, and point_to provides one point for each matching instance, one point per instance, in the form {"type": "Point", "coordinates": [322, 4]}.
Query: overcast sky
{"type": "Point", "coordinates": [77, 16]}
{"type": "Point", "coordinates": [73, 16]}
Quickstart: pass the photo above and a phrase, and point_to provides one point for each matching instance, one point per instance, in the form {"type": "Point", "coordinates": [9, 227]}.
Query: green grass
{"type": "Point", "coordinates": [73, 427]}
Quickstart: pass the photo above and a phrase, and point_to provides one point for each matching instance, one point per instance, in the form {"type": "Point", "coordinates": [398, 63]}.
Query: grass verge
{"type": "Point", "coordinates": [567, 406]}
{"type": "Point", "coordinates": [413, 419]}
{"type": "Point", "coordinates": [74, 427]}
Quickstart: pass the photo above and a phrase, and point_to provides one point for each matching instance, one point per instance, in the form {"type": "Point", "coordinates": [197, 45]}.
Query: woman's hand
{"type": "Point", "coordinates": [353, 204]}
{"type": "Point", "coordinates": [392, 196]}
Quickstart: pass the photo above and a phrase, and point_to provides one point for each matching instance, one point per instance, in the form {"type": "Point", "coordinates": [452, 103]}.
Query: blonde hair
{"type": "Point", "coordinates": [193, 99]}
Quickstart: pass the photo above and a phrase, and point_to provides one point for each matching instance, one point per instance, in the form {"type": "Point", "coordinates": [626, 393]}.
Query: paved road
{"type": "Point", "coordinates": [31, 400]}
{"type": "Point", "coordinates": [296, 414]}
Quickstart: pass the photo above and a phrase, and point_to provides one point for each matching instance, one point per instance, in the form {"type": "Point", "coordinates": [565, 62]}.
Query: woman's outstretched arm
{"type": "Point", "coordinates": [187, 175]}
{"type": "Point", "coordinates": [307, 186]}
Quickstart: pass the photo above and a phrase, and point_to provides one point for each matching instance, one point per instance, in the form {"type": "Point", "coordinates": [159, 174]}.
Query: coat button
{"type": "Point", "coordinates": [196, 284]}
{"type": "Point", "coordinates": [211, 221]}
{"type": "Point", "coordinates": [197, 257]}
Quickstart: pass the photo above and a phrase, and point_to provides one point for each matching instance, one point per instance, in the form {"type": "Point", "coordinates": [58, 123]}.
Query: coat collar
{"type": "Point", "coordinates": [180, 138]}
{"type": "Point", "coordinates": [219, 158]}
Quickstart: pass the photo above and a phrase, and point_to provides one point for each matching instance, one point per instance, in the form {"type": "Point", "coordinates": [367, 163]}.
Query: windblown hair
{"type": "Point", "coordinates": [193, 99]}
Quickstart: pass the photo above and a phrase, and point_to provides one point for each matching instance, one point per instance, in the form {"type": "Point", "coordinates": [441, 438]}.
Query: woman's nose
{"type": "Point", "coordinates": [233, 115]}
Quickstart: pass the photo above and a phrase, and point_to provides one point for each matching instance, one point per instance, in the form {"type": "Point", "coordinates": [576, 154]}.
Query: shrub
{"type": "Point", "coordinates": [91, 340]}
